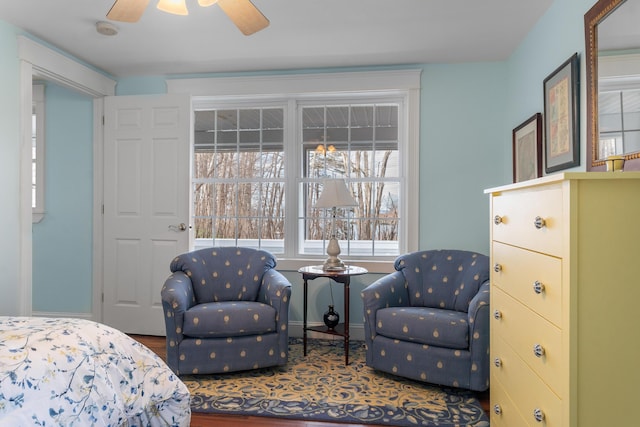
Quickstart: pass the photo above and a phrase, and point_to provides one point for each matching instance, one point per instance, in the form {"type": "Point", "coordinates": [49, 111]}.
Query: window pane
{"type": "Point", "coordinates": [236, 200]}
{"type": "Point", "coordinates": [337, 124]}
{"type": "Point", "coordinates": [631, 109]}
{"type": "Point", "coordinates": [346, 145]}
{"type": "Point", "coordinates": [631, 142]}
{"type": "Point", "coordinates": [609, 111]}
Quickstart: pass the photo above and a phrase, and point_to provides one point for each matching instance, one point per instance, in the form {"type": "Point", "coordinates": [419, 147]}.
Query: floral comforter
{"type": "Point", "coordinates": [74, 372]}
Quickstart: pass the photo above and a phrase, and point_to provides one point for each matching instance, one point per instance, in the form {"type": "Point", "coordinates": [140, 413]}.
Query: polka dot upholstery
{"type": "Point", "coordinates": [429, 320]}
{"type": "Point", "coordinates": [226, 309]}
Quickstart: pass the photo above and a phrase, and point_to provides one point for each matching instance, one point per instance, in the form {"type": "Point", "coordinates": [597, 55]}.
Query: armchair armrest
{"type": "Point", "coordinates": [479, 318]}
{"type": "Point", "coordinates": [177, 297]}
{"type": "Point", "coordinates": [479, 309]}
{"type": "Point", "coordinates": [388, 291]}
{"type": "Point", "coordinates": [275, 291]}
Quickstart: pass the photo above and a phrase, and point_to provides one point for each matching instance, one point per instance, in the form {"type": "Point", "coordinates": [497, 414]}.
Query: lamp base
{"type": "Point", "coordinates": [333, 263]}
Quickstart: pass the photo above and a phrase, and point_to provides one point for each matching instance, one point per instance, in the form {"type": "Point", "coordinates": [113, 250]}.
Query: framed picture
{"type": "Point", "coordinates": [527, 149]}
{"type": "Point", "coordinates": [561, 119]}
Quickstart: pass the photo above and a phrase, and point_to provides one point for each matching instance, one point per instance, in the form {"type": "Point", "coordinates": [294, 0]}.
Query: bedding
{"type": "Point", "coordinates": [75, 372]}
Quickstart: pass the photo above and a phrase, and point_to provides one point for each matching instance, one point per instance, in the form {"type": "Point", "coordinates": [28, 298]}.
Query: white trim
{"type": "Point", "coordinates": [54, 66]}
{"type": "Point", "coordinates": [297, 83]}
{"type": "Point", "coordinates": [404, 83]}
{"type": "Point", "coordinates": [413, 168]}
{"type": "Point", "coordinates": [25, 278]}
{"type": "Point", "coordinates": [618, 65]}
{"type": "Point", "coordinates": [42, 62]}
{"type": "Point", "coordinates": [373, 267]}
{"type": "Point", "coordinates": [56, 314]}
{"type": "Point", "coordinates": [98, 198]}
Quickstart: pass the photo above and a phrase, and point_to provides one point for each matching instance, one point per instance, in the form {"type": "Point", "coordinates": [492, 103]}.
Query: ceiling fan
{"type": "Point", "coordinates": [243, 13]}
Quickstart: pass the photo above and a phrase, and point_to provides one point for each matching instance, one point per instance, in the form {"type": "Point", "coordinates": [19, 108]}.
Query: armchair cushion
{"type": "Point", "coordinates": [228, 319]}
{"type": "Point", "coordinates": [429, 326]}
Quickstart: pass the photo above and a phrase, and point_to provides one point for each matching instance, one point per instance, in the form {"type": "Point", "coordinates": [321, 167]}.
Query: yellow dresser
{"type": "Point", "coordinates": [565, 301]}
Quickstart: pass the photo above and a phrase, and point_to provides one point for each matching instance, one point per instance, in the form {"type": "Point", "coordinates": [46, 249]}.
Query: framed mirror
{"type": "Point", "coordinates": [612, 45]}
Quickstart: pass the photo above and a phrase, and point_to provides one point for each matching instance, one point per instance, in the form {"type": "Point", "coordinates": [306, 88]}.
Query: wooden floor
{"type": "Point", "coordinates": [157, 345]}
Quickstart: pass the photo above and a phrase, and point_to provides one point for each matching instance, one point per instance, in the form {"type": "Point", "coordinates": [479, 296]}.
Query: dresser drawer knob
{"type": "Point", "coordinates": [497, 314]}
{"type": "Point", "coordinates": [497, 409]}
{"type": "Point", "coordinates": [497, 268]}
{"type": "Point", "coordinates": [538, 287]}
{"type": "Point", "coordinates": [538, 350]}
{"type": "Point", "coordinates": [497, 362]}
{"type": "Point", "coordinates": [538, 415]}
{"type": "Point", "coordinates": [539, 222]}
{"type": "Point", "coordinates": [497, 220]}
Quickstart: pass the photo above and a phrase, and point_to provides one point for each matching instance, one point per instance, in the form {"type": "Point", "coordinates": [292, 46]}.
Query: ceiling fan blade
{"type": "Point", "coordinates": [127, 10]}
{"type": "Point", "coordinates": [245, 15]}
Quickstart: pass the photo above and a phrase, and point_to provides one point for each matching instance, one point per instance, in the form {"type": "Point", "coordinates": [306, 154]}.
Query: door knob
{"type": "Point", "coordinates": [180, 227]}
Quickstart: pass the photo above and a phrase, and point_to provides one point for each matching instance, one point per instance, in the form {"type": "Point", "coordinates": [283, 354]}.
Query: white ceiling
{"type": "Point", "coordinates": [302, 34]}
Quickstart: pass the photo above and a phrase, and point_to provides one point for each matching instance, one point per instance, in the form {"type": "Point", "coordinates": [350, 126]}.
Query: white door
{"type": "Point", "coordinates": [146, 205]}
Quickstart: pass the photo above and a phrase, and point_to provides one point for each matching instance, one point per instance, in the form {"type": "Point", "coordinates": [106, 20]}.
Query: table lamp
{"type": "Point", "coordinates": [335, 194]}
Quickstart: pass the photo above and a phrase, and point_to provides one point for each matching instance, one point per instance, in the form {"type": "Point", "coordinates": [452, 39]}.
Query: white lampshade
{"type": "Point", "coordinates": [176, 7]}
{"type": "Point", "coordinates": [335, 194]}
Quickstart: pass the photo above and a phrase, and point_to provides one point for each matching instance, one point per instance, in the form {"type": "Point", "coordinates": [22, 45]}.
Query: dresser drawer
{"type": "Point", "coordinates": [525, 389]}
{"type": "Point", "coordinates": [525, 330]}
{"type": "Point", "coordinates": [514, 219]}
{"type": "Point", "coordinates": [506, 414]}
{"type": "Point", "coordinates": [530, 277]}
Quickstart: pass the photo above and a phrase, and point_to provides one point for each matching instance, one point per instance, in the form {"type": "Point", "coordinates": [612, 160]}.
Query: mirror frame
{"type": "Point", "coordinates": [600, 10]}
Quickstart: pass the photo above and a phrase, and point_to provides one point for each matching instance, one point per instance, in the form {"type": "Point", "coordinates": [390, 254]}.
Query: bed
{"type": "Point", "coordinates": [75, 372]}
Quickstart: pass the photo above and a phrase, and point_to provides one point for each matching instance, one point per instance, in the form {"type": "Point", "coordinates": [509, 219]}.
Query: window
{"type": "Point", "coordinates": [360, 143]}
{"type": "Point", "coordinates": [37, 152]}
{"type": "Point", "coordinates": [264, 145]}
{"type": "Point", "coordinates": [239, 178]}
{"type": "Point", "coordinates": [619, 122]}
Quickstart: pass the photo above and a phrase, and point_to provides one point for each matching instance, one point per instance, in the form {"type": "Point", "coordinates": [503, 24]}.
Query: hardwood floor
{"type": "Point", "coordinates": [157, 345]}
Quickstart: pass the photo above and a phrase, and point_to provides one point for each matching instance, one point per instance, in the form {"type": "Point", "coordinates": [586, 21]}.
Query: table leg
{"type": "Point", "coordinates": [346, 321]}
{"type": "Point", "coordinates": [304, 318]}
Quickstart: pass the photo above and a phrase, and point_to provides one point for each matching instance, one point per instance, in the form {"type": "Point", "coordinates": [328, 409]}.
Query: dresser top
{"type": "Point", "coordinates": [565, 176]}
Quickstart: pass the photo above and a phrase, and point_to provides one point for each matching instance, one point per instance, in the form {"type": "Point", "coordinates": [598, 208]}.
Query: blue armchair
{"type": "Point", "coordinates": [429, 320]}
{"type": "Point", "coordinates": [226, 309]}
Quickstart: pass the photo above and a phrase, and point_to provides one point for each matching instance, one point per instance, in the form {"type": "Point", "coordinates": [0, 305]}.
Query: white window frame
{"type": "Point", "coordinates": [260, 90]}
{"type": "Point", "coordinates": [38, 97]}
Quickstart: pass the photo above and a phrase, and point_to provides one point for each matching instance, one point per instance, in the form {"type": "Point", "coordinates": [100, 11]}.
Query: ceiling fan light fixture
{"type": "Point", "coordinates": [206, 3]}
{"type": "Point", "coordinates": [175, 7]}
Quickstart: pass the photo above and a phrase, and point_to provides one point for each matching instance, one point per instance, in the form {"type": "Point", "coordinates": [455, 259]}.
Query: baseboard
{"type": "Point", "coordinates": [356, 332]}
{"type": "Point", "coordinates": [87, 316]}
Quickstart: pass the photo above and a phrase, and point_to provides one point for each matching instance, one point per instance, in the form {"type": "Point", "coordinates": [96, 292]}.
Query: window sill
{"type": "Point", "coordinates": [373, 267]}
{"type": "Point", "coordinates": [36, 217]}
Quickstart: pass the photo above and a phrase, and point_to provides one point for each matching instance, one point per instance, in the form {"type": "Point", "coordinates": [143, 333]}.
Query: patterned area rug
{"type": "Point", "coordinates": [319, 387]}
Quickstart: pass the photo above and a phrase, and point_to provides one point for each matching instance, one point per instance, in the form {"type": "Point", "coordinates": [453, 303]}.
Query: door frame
{"type": "Point", "coordinates": [39, 61]}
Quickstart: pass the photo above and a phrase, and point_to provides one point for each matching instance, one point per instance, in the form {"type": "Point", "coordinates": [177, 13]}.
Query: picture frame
{"type": "Point", "coordinates": [561, 116]}
{"type": "Point", "coordinates": [527, 149]}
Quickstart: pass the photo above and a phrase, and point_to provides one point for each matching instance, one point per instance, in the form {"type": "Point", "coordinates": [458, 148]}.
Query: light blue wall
{"type": "Point", "coordinates": [468, 113]}
{"type": "Point", "coordinates": [558, 35]}
{"type": "Point", "coordinates": [62, 241]}
{"type": "Point", "coordinates": [461, 144]}
{"type": "Point", "coordinates": [9, 172]}
{"type": "Point", "coordinates": [147, 85]}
